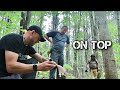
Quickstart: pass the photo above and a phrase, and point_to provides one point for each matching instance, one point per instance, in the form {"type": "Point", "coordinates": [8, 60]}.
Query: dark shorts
{"type": "Point", "coordinates": [29, 75]}
{"type": "Point", "coordinates": [13, 76]}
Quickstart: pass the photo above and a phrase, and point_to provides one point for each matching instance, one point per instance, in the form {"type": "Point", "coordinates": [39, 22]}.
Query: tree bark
{"type": "Point", "coordinates": [25, 20]}
{"type": "Point", "coordinates": [68, 48]}
{"type": "Point", "coordinates": [28, 16]}
{"type": "Point", "coordinates": [108, 56]}
{"type": "Point", "coordinates": [55, 21]}
{"type": "Point", "coordinates": [118, 25]}
{"type": "Point", "coordinates": [75, 73]}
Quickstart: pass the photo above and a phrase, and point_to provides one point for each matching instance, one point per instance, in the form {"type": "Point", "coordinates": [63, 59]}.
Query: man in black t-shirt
{"type": "Point", "coordinates": [13, 45]}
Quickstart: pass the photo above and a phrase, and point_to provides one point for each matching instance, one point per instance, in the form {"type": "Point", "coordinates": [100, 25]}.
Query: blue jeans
{"type": "Point", "coordinates": [58, 57]}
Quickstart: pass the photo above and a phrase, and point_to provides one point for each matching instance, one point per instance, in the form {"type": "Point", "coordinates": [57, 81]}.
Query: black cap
{"type": "Point", "coordinates": [37, 30]}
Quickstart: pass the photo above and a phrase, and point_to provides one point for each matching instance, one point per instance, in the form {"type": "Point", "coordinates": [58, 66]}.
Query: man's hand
{"type": "Point", "coordinates": [48, 39]}
{"type": "Point", "coordinates": [46, 66]}
{"type": "Point", "coordinates": [62, 71]}
{"type": "Point", "coordinates": [39, 57]}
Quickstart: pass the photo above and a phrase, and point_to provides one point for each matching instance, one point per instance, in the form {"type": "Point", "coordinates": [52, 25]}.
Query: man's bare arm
{"type": "Point", "coordinates": [39, 57]}
{"type": "Point", "coordinates": [13, 66]}
{"type": "Point", "coordinates": [48, 39]}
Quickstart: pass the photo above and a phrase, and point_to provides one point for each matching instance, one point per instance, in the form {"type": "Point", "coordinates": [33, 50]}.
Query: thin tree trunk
{"type": "Point", "coordinates": [40, 24]}
{"type": "Point", "coordinates": [41, 19]}
{"type": "Point", "coordinates": [22, 22]}
{"type": "Point", "coordinates": [94, 31]}
{"type": "Point", "coordinates": [81, 60]}
{"type": "Point", "coordinates": [75, 73]}
{"type": "Point", "coordinates": [68, 48]}
{"type": "Point", "coordinates": [25, 20]}
{"type": "Point", "coordinates": [86, 51]}
{"type": "Point", "coordinates": [55, 22]}
{"type": "Point", "coordinates": [118, 25]}
{"type": "Point", "coordinates": [28, 16]}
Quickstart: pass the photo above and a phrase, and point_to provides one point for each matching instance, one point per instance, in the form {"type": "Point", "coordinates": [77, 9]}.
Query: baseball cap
{"type": "Point", "coordinates": [37, 30]}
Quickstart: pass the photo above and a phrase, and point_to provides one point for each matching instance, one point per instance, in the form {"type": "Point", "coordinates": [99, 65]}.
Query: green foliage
{"type": "Point", "coordinates": [23, 30]}
{"type": "Point", "coordinates": [68, 67]}
{"type": "Point", "coordinates": [75, 18]}
{"type": "Point", "coordinates": [80, 35]}
{"type": "Point", "coordinates": [70, 76]}
{"type": "Point", "coordinates": [118, 62]}
{"type": "Point", "coordinates": [43, 48]}
{"type": "Point", "coordinates": [118, 70]}
{"type": "Point", "coordinates": [13, 25]}
{"type": "Point", "coordinates": [116, 48]}
{"type": "Point", "coordinates": [55, 12]}
{"type": "Point", "coordinates": [37, 18]}
{"type": "Point", "coordinates": [43, 74]}
{"type": "Point", "coordinates": [112, 27]}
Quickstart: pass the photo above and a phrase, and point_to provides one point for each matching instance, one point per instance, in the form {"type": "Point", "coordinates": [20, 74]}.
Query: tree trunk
{"type": "Point", "coordinates": [39, 47]}
{"type": "Point", "coordinates": [86, 51]}
{"type": "Point", "coordinates": [80, 55]}
{"type": "Point", "coordinates": [28, 16]}
{"type": "Point", "coordinates": [75, 73]}
{"type": "Point", "coordinates": [85, 39]}
{"type": "Point", "coordinates": [22, 22]}
{"type": "Point", "coordinates": [68, 48]}
{"type": "Point", "coordinates": [108, 56]}
{"type": "Point", "coordinates": [94, 31]}
{"type": "Point", "coordinates": [118, 25]}
{"type": "Point", "coordinates": [41, 19]}
{"type": "Point", "coordinates": [55, 21]}
{"type": "Point", "coordinates": [25, 20]}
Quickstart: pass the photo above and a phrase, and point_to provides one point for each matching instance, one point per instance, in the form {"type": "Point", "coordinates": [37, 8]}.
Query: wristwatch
{"type": "Point", "coordinates": [35, 67]}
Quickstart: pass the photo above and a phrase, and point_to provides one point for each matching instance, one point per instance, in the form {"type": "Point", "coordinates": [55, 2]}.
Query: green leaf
{"type": "Point", "coordinates": [118, 63]}
{"type": "Point", "coordinates": [67, 66]}
{"type": "Point", "coordinates": [23, 30]}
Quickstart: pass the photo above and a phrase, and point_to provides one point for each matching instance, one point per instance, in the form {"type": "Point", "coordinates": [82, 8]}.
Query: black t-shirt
{"type": "Point", "coordinates": [12, 42]}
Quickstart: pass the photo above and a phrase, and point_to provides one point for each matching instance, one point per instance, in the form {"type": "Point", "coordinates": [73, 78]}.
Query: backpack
{"type": "Point", "coordinates": [93, 64]}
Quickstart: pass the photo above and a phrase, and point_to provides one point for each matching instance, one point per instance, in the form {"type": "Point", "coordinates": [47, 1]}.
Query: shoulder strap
{"type": "Point", "coordinates": [96, 61]}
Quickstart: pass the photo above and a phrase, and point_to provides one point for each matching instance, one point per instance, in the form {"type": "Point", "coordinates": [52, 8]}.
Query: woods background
{"type": "Point", "coordinates": [83, 25]}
